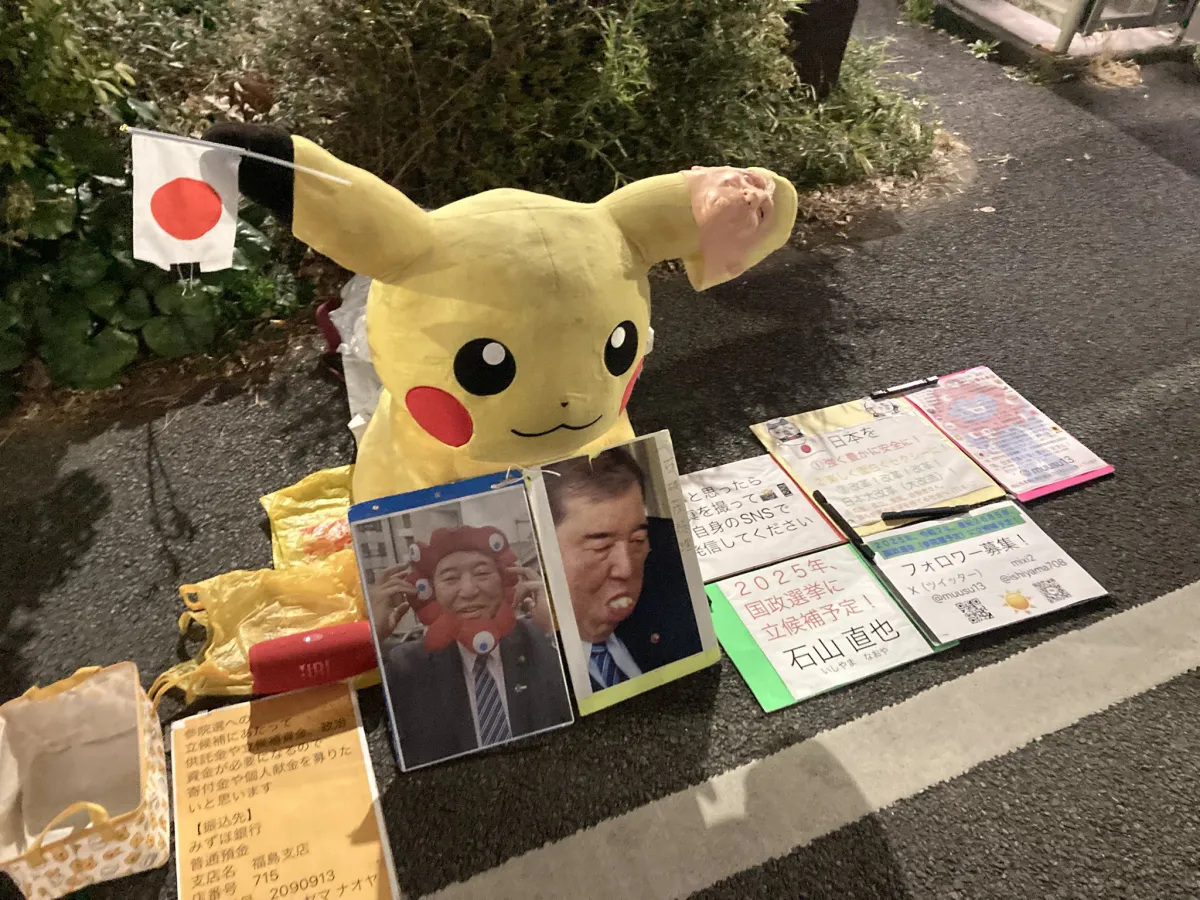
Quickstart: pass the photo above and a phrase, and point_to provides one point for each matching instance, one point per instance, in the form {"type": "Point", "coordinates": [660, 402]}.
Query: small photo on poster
{"type": "Point", "coordinates": [461, 619]}
{"type": "Point", "coordinates": [623, 572]}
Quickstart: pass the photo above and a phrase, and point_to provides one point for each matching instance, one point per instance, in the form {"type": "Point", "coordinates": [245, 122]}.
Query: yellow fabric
{"type": "Point", "coordinates": [369, 227]}
{"type": "Point", "coordinates": [308, 519]}
{"type": "Point", "coordinates": [241, 608]}
{"type": "Point", "coordinates": [547, 278]}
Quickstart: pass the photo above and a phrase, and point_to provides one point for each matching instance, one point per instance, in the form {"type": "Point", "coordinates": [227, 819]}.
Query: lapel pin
{"type": "Point", "coordinates": [654, 638]}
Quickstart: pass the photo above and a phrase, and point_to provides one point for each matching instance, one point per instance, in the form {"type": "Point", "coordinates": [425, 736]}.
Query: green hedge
{"type": "Point", "coordinates": [70, 291]}
{"type": "Point", "coordinates": [450, 97]}
{"type": "Point", "coordinates": [445, 98]}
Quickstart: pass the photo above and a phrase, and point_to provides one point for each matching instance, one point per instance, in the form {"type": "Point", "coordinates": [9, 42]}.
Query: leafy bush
{"type": "Point", "coordinates": [863, 129]}
{"type": "Point", "coordinates": [451, 97]}
{"type": "Point", "coordinates": [189, 56]}
{"type": "Point", "coordinates": [70, 290]}
{"type": "Point", "coordinates": [443, 97]}
{"type": "Point", "coordinates": [47, 76]}
{"type": "Point", "coordinates": [919, 12]}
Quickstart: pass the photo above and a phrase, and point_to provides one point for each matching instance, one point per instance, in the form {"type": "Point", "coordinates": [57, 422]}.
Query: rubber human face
{"type": "Point", "coordinates": [604, 546]}
{"type": "Point", "coordinates": [468, 584]}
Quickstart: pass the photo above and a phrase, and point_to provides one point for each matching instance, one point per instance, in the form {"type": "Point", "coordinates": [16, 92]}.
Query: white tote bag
{"type": "Point", "coordinates": [83, 783]}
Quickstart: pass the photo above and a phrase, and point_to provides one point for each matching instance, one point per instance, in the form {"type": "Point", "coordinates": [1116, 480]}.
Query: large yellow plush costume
{"type": "Point", "coordinates": [508, 328]}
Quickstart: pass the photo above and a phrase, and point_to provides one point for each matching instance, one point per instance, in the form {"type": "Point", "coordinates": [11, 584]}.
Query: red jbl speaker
{"type": "Point", "coordinates": [311, 658]}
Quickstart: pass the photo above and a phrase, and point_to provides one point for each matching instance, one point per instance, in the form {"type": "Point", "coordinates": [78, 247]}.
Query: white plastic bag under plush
{"type": "Point", "coordinates": [362, 383]}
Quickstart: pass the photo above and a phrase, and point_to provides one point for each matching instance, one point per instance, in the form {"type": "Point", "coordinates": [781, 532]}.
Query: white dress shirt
{"type": "Point", "coordinates": [496, 668]}
{"type": "Point", "coordinates": [621, 656]}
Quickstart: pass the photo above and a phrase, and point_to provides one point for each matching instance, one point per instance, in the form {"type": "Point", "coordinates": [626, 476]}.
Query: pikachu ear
{"type": "Point", "coordinates": [355, 219]}
{"type": "Point", "coordinates": [366, 226]}
{"type": "Point", "coordinates": [720, 221]}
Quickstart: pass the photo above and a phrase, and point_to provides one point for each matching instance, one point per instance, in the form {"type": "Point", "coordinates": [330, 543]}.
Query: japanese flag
{"type": "Point", "coordinates": [185, 199]}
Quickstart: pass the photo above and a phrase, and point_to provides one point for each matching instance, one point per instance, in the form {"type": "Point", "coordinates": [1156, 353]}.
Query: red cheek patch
{"type": "Point", "coordinates": [441, 415]}
{"type": "Point", "coordinates": [629, 387]}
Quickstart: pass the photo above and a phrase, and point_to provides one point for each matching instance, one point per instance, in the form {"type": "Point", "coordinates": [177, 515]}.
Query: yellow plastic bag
{"type": "Point", "coordinates": [308, 519]}
{"type": "Point", "coordinates": [240, 609]}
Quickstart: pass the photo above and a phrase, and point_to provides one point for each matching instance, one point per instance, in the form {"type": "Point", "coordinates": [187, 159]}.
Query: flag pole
{"type": "Point", "coordinates": [162, 135]}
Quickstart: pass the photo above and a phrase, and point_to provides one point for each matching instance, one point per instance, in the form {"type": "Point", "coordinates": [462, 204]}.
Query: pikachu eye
{"type": "Point", "coordinates": [484, 367]}
{"type": "Point", "coordinates": [621, 348]}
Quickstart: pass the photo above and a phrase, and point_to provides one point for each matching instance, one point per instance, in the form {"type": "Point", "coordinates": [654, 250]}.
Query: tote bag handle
{"type": "Point", "coordinates": [97, 813]}
{"type": "Point", "coordinates": [36, 693]}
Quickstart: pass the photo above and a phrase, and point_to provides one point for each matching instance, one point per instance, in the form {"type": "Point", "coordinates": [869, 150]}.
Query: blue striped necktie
{"type": "Point", "coordinates": [493, 721]}
{"type": "Point", "coordinates": [606, 666]}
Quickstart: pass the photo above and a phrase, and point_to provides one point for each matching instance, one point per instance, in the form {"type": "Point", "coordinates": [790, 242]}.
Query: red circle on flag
{"type": "Point", "coordinates": [186, 208]}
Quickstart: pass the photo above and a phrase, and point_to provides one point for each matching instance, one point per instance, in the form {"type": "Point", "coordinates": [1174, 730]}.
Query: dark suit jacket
{"type": "Point", "coordinates": [430, 705]}
{"type": "Point", "coordinates": [662, 627]}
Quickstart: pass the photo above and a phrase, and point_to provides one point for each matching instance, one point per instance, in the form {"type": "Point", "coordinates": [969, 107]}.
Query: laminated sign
{"type": "Point", "coordinates": [809, 625]}
{"type": "Point", "coordinates": [750, 513]}
{"type": "Point", "coordinates": [479, 589]}
{"type": "Point", "coordinates": [987, 569]}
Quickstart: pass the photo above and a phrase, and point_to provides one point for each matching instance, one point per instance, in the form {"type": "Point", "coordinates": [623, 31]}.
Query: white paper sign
{"type": "Point", "coordinates": [894, 463]}
{"type": "Point", "coordinates": [823, 621]}
{"type": "Point", "coordinates": [1020, 445]}
{"type": "Point", "coordinates": [749, 514]}
{"type": "Point", "coordinates": [981, 571]}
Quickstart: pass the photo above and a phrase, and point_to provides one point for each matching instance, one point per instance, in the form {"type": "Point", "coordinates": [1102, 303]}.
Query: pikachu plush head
{"type": "Point", "coordinates": [507, 328]}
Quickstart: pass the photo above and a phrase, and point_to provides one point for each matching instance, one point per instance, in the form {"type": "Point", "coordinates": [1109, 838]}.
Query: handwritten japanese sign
{"type": "Point", "coordinates": [275, 799]}
{"type": "Point", "coordinates": [981, 571]}
{"type": "Point", "coordinates": [748, 514]}
{"type": "Point", "coordinates": [816, 623]}
{"type": "Point", "coordinates": [1020, 445]}
{"type": "Point", "coordinates": [894, 463]}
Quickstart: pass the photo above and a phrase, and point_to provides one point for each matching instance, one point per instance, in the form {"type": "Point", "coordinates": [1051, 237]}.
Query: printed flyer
{"type": "Point", "coordinates": [749, 514]}
{"type": "Point", "coordinates": [1016, 442]}
{"type": "Point", "coordinates": [984, 570]}
{"type": "Point", "coordinates": [809, 625]}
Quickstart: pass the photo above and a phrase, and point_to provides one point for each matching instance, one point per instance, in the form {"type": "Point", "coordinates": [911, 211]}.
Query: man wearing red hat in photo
{"type": "Point", "coordinates": [480, 675]}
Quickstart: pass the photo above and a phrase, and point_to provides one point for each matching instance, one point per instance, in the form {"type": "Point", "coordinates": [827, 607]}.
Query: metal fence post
{"type": "Point", "coordinates": [1071, 21]}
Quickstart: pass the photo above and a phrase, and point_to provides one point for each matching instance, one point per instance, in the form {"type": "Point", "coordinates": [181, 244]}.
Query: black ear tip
{"type": "Point", "coordinates": [228, 133]}
{"type": "Point", "coordinates": [263, 182]}
{"type": "Point", "coordinates": [268, 139]}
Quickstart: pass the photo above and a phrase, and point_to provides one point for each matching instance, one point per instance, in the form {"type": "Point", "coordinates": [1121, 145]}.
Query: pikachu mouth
{"type": "Point", "coordinates": [537, 434]}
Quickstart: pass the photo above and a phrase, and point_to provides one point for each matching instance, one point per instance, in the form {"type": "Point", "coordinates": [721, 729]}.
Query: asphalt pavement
{"type": "Point", "coordinates": [1079, 287]}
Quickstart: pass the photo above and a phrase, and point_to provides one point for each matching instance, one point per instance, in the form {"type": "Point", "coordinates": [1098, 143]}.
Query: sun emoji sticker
{"type": "Point", "coordinates": [1017, 601]}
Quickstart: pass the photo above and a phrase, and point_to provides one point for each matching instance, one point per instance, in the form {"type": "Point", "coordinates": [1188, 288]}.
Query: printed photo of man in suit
{"type": "Point", "coordinates": [453, 699]}
{"type": "Point", "coordinates": [628, 587]}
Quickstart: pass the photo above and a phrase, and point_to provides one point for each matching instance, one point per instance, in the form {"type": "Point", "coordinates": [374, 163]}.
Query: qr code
{"type": "Point", "coordinates": [975, 611]}
{"type": "Point", "coordinates": [1052, 590]}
